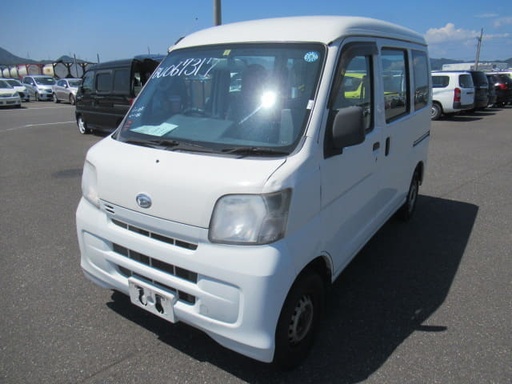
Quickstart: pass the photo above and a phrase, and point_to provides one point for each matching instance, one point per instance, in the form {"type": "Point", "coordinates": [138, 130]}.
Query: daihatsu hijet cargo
{"type": "Point", "coordinates": [250, 171]}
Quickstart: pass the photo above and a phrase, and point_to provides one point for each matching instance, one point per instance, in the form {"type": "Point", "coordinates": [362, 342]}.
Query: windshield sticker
{"type": "Point", "coordinates": [153, 130]}
{"type": "Point", "coordinates": [136, 112]}
{"type": "Point", "coordinates": [311, 57]}
{"type": "Point", "coordinates": [188, 67]}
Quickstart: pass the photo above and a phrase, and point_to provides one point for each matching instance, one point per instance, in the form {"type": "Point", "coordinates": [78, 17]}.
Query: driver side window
{"type": "Point", "coordinates": [356, 87]}
{"type": "Point", "coordinates": [88, 82]}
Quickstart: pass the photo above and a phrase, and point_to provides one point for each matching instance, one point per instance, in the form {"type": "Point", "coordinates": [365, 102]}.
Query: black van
{"type": "Point", "coordinates": [108, 89]}
{"type": "Point", "coordinates": [481, 89]}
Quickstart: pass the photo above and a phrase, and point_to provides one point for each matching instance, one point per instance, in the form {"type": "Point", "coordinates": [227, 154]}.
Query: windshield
{"type": "Point", "coordinates": [74, 83]}
{"type": "Point", "coordinates": [242, 99]}
{"type": "Point", "coordinates": [5, 84]}
{"type": "Point", "coordinates": [14, 83]}
{"type": "Point", "coordinates": [44, 80]}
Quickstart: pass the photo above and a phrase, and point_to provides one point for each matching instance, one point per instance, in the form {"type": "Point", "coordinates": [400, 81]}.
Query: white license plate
{"type": "Point", "coordinates": [153, 299]}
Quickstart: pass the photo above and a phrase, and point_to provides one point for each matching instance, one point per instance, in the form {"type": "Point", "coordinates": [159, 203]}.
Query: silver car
{"type": "Point", "coordinates": [39, 86]}
{"type": "Point", "coordinates": [65, 90]}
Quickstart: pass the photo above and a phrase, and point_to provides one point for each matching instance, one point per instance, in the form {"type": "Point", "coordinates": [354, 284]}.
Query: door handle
{"type": "Point", "coordinates": [388, 144]}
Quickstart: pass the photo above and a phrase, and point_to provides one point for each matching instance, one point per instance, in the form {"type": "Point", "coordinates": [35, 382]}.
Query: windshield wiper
{"type": "Point", "coordinates": [148, 143]}
{"type": "Point", "coordinates": [247, 151]}
{"type": "Point", "coordinates": [175, 145]}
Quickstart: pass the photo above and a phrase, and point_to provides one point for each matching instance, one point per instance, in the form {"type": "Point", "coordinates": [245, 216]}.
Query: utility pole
{"type": "Point", "coordinates": [217, 12]}
{"type": "Point", "coordinates": [477, 59]}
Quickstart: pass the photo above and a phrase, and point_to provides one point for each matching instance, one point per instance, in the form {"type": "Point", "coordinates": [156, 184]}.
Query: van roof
{"type": "Point", "coordinates": [126, 62]}
{"type": "Point", "coordinates": [323, 29]}
{"type": "Point", "coordinates": [112, 64]}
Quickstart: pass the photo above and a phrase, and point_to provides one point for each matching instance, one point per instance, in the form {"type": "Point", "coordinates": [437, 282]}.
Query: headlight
{"type": "Point", "coordinates": [90, 184]}
{"type": "Point", "coordinates": [250, 219]}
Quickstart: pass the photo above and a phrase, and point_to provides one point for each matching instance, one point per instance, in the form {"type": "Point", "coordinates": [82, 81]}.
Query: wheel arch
{"type": "Point", "coordinates": [322, 266]}
{"type": "Point", "coordinates": [420, 168]}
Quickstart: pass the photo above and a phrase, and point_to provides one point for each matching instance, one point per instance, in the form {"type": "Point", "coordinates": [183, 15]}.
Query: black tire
{"type": "Point", "coordinates": [71, 99]}
{"type": "Point", "coordinates": [55, 98]}
{"type": "Point", "coordinates": [82, 126]}
{"type": "Point", "coordinates": [299, 321]}
{"type": "Point", "coordinates": [407, 210]}
{"type": "Point", "coordinates": [436, 111]}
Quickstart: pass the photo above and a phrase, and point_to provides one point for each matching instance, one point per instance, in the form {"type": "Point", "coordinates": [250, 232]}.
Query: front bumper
{"type": "Point", "coordinates": [10, 101]}
{"type": "Point", "coordinates": [233, 293]}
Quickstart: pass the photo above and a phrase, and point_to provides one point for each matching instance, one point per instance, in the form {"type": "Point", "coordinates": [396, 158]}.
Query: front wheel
{"type": "Point", "coordinates": [299, 320]}
{"type": "Point", "coordinates": [71, 99]}
{"type": "Point", "coordinates": [407, 210]}
{"type": "Point", "coordinates": [82, 126]}
{"type": "Point", "coordinates": [55, 98]}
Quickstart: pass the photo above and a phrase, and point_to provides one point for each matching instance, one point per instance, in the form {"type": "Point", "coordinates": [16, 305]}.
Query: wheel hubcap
{"type": "Point", "coordinates": [301, 321]}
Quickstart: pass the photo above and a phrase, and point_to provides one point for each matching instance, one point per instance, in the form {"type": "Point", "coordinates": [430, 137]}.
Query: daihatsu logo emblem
{"type": "Point", "coordinates": [144, 201]}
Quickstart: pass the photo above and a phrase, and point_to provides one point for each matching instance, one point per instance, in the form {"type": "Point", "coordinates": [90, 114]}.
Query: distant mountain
{"type": "Point", "coordinates": [7, 58]}
{"type": "Point", "coordinates": [437, 64]}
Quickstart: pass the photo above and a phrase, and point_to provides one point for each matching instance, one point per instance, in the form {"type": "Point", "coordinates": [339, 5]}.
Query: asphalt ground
{"type": "Point", "coordinates": [429, 301]}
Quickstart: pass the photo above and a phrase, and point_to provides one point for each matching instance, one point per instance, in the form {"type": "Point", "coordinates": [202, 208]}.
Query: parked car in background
{"type": "Point", "coordinates": [65, 90]}
{"type": "Point", "coordinates": [108, 89]}
{"type": "Point", "coordinates": [452, 92]}
{"type": "Point", "coordinates": [20, 88]}
{"type": "Point", "coordinates": [8, 95]}
{"type": "Point", "coordinates": [503, 87]}
{"type": "Point", "coordinates": [493, 97]}
{"type": "Point", "coordinates": [481, 89]}
{"type": "Point", "coordinates": [40, 87]}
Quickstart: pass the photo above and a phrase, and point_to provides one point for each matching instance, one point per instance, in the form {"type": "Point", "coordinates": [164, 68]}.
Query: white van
{"type": "Point", "coordinates": [251, 169]}
{"type": "Point", "coordinates": [452, 92]}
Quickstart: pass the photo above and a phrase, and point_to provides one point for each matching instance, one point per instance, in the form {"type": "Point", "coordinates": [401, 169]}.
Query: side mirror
{"type": "Point", "coordinates": [348, 127]}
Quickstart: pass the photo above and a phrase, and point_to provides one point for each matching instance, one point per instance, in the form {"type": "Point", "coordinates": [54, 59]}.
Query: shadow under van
{"type": "Point", "coordinates": [108, 90]}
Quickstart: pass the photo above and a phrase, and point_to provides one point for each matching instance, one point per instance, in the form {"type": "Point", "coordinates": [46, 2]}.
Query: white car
{"type": "Point", "coordinates": [452, 92]}
{"type": "Point", "coordinates": [20, 88]}
{"type": "Point", "coordinates": [65, 90]}
{"type": "Point", "coordinates": [8, 95]}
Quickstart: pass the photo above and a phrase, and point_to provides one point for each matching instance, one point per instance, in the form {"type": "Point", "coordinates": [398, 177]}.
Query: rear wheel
{"type": "Point", "coordinates": [407, 210]}
{"type": "Point", "coordinates": [299, 320]}
{"type": "Point", "coordinates": [436, 111]}
{"type": "Point", "coordinates": [82, 126]}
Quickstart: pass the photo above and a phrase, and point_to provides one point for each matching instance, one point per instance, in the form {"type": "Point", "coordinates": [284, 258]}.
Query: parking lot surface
{"type": "Point", "coordinates": [429, 301]}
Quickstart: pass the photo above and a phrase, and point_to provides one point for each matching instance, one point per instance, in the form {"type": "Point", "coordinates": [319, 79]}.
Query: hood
{"type": "Point", "coordinates": [183, 186]}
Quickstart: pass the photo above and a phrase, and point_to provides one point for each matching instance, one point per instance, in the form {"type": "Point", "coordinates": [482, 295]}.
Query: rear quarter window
{"type": "Point", "coordinates": [465, 81]}
{"type": "Point", "coordinates": [104, 82]}
{"type": "Point", "coordinates": [440, 81]}
{"type": "Point", "coordinates": [122, 81]}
